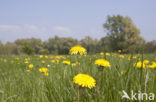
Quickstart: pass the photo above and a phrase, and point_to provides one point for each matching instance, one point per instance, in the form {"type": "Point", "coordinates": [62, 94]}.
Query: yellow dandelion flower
{"type": "Point", "coordinates": [122, 72]}
{"type": "Point", "coordinates": [28, 70]}
{"type": "Point", "coordinates": [140, 64]}
{"type": "Point", "coordinates": [31, 65]}
{"type": "Point", "coordinates": [43, 62]}
{"type": "Point", "coordinates": [122, 56]}
{"type": "Point", "coordinates": [84, 80]}
{"type": "Point", "coordinates": [108, 54]}
{"type": "Point", "coordinates": [73, 64]}
{"type": "Point", "coordinates": [76, 63]}
{"type": "Point", "coordinates": [119, 51]}
{"type": "Point", "coordinates": [26, 62]}
{"type": "Point", "coordinates": [101, 53]}
{"type": "Point", "coordinates": [146, 61]}
{"type": "Point", "coordinates": [46, 56]}
{"type": "Point", "coordinates": [46, 74]}
{"type": "Point", "coordinates": [44, 69]}
{"type": "Point", "coordinates": [153, 65]}
{"type": "Point", "coordinates": [102, 62]}
{"type": "Point", "coordinates": [129, 58]}
{"type": "Point", "coordinates": [41, 56]}
{"type": "Point", "coordinates": [52, 61]}
{"type": "Point", "coordinates": [78, 50]}
{"type": "Point", "coordinates": [66, 62]}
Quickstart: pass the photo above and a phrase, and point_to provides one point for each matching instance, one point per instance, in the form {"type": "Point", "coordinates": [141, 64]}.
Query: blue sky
{"type": "Point", "coordinates": [71, 18]}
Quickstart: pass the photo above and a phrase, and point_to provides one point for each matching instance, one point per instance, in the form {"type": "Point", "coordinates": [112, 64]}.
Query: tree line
{"type": "Point", "coordinates": [122, 34]}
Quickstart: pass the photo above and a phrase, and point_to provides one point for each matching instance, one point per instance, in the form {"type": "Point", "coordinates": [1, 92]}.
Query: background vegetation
{"type": "Point", "coordinates": [122, 34]}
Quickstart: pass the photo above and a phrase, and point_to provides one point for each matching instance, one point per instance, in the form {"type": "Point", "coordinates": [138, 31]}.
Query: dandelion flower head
{"type": "Point", "coordinates": [84, 80]}
{"type": "Point", "coordinates": [78, 49]}
{"type": "Point", "coordinates": [102, 62]}
{"type": "Point", "coordinates": [31, 65]}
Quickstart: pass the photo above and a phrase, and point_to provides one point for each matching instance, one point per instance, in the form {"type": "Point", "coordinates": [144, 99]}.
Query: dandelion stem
{"type": "Point", "coordinates": [99, 81]}
{"type": "Point", "coordinates": [77, 59]}
{"type": "Point", "coordinates": [79, 94]}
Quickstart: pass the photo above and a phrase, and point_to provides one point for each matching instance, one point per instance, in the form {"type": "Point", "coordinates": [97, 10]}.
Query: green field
{"type": "Point", "coordinates": [19, 83]}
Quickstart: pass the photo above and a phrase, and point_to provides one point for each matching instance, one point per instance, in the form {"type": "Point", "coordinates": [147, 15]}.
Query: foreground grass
{"type": "Point", "coordinates": [18, 85]}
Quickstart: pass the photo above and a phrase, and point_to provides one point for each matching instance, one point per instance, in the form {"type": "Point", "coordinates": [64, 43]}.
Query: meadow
{"type": "Point", "coordinates": [22, 78]}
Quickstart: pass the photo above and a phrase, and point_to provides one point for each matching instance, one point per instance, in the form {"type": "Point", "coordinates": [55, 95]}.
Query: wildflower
{"type": "Point", "coordinates": [43, 62]}
{"type": "Point", "coordinates": [84, 80]}
{"type": "Point", "coordinates": [108, 54]}
{"type": "Point", "coordinates": [73, 64]}
{"type": "Point", "coordinates": [43, 69]}
{"type": "Point", "coordinates": [78, 50]}
{"type": "Point", "coordinates": [41, 56]}
{"type": "Point", "coordinates": [48, 65]}
{"type": "Point", "coordinates": [129, 58]}
{"type": "Point", "coordinates": [101, 53]}
{"type": "Point", "coordinates": [57, 61]}
{"type": "Point", "coordinates": [52, 61]}
{"type": "Point", "coordinates": [146, 61]}
{"type": "Point", "coordinates": [66, 62]}
{"type": "Point", "coordinates": [46, 56]}
{"type": "Point", "coordinates": [153, 65]}
{"type": "Point", "coordinates": [122, 56]}
{"type": "Point", "coordinates": [28, 70]}
{"type": "Point", "coordinates": [46, 74]}
{"type": "Point", "coordinates": [31, 65]}
{"type": "Point", "coordinates": [102, 62]}
{"type": "Point", "coordinates": [26, 62]}
{"type": "Point", "coordinates": [140, 64]}
{"type": "Point", "coordinates": [122, 72]}
{"type": "Point", "coordinates": [119, 51]}
{"type": "Point", "coordinates": [76, 63]}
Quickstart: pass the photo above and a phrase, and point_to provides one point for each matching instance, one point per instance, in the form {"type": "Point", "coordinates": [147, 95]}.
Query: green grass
{"type": "Point", "coordinates": [17, 85]}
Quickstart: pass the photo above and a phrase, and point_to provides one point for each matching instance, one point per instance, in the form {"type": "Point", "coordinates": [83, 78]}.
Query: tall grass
{"type": "Point", "coordinates": [17, 85]}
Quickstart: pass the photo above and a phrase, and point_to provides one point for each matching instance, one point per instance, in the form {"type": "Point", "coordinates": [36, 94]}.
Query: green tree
{"type": "Point", "coordinates": [11, 49]}
{"type": "Point", "coordinates": [37, 44]}
{"type": "Point", "coordinates": [150, 47]}
{"type": "Point", "coordinates": [92, 45]}
{"type": "Point", "coordinates": [1, 48]}
{"type": "Point", "coordinates": [59, 45]}
{"type": "Point", "coordinates": [104, 44]}
{"type": "Point", "coordinates": [122, 33]}
{"type": "Point", "coordinates": [27, 49]}
{"type": "Point", "coordinates": [43, 51]}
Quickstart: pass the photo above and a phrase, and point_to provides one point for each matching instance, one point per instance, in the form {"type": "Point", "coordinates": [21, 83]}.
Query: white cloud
{"type": "Point", "coordinates": [13, 32]}
{"type": "Point", "coordinates": [31, 27]}
{"type": "Point", "coordinates": [61, 29]}
{"type": "Point", "coordinates": [9, 27]}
